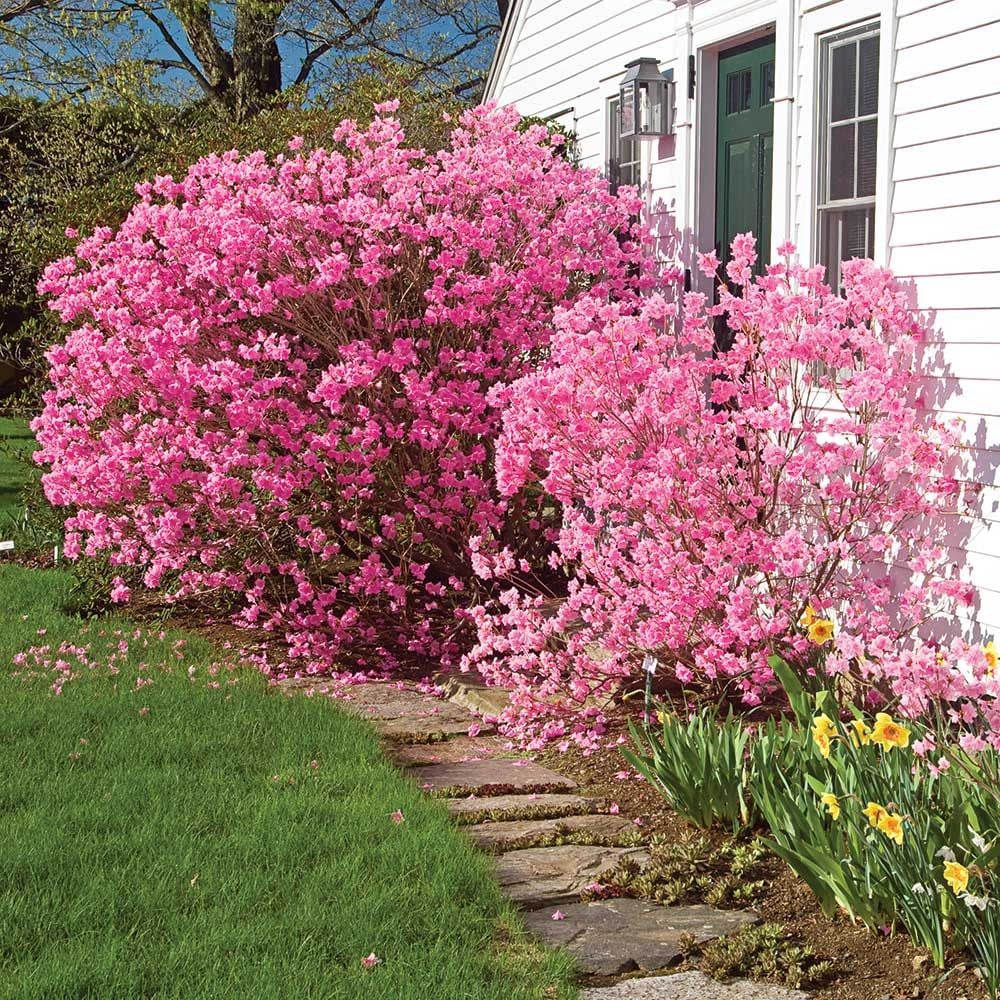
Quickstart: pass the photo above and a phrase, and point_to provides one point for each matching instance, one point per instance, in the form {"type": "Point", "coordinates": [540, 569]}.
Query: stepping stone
{"type": "Point", "coordinates": [615, 936]}
{"type": "Point", "coordinates": [459, 750]}
{"type": "Point", "coordinates": [470, 691]}
{"type": "Point", "coordinates": [402, 714]}
{"type": "Point", "coordinates": [484, 777]}
{"type": "Point", "coordinates": [508, 833]}
{"type": "Point", "coordinates": [544, 876]}
{"type": "Point", "coordinates": [512, 806]}
{"type": "Point", "coordinates": [691, 986]}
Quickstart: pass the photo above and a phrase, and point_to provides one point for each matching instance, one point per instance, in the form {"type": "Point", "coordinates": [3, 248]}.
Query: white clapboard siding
{"type": "Point", "coordinates": [945, 225]}
{"type": "Point", "coordinates": [970, 326]}
{"type": "Point", "coordinates": [966, 187]}
{"type": "Point", "coordinates": [912, 6]}
{"type": "Point", "coordinates": [948, 51]}
{"type": "Point", "coordinates": [963, 152]}
{"type": "Point", "coordinates": [962, 361]}
{"type": "Point", "coordinates": [949, 257]}
{"type": "Point", "coordinates": [962, 118]}
{"type": "Point", "coordinates": [946, 87]}
{"type": "Point", "coordinates": [944, 19]}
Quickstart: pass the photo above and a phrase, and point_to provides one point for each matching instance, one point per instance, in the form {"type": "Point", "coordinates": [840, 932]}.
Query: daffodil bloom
{"type": "Point", "coordinates": [825, 725]}
{"type": "Point", "coordinates": [822, 741]}
{"type": "Point", "coordinates": [891, 824]}
{"type": "Point", "coordinates": [888, 734]}
{"type": "Point", "coordinates": [808, 616]}
{"type": "Point", "coordinates": [823, 731]}
{"type": "Point", "coordinates": [957, 876]}
{"type": "Point", "coordinates": [874, 813]}
{"type": "Point", "coordinates": [832, 804]}
{"type": "Point", "coordinates": [990, 652]}
{"type": "Point", "coordinates": [862, 735]}
{"type": "Point", "coordinates": [821, 631]}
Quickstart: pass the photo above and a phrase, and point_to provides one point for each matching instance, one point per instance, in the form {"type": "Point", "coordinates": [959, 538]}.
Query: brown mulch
{"type": "Point", "coordinates": [867, 966]}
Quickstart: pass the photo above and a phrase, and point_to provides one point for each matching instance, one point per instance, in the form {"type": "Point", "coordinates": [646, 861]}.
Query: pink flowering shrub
{"type": "Point", "coordinates": [710, 496]}
{"type": "Point", "coordinates": [275, 394]}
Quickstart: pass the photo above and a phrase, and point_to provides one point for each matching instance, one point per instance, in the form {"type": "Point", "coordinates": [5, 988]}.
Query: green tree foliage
{"type": "Point", "coordinates": [75, 164]}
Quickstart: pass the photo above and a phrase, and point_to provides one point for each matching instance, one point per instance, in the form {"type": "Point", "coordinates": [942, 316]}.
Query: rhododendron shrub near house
{"type": "Point", "coordinates": [710, 497]}
{"type": "Point", "coordinates": [275, 395]}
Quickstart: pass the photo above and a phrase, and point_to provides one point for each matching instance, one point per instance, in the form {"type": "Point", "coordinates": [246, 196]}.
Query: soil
{"type": "Point", "coordinates": [866, 966]}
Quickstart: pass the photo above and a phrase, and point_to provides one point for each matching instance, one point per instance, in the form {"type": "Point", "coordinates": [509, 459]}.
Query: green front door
{"type": "Point", "coordinates": [745, 145]}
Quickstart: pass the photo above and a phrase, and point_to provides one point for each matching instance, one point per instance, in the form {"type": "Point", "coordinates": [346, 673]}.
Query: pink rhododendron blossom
{"type": "Point", "coordinates": [283, 379]}
{"type": "Point", "coordinates": [719, 469]}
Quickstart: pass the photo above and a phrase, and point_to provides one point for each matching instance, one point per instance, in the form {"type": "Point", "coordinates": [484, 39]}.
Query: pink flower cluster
{"type": "Point", "coordinates": [276, 392]}
{"type": "Point", "coordinates": [710, 495]}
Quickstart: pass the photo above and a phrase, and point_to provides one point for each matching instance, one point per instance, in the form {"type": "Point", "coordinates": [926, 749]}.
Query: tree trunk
{"type": "Point", "coordinates": [256, 60]}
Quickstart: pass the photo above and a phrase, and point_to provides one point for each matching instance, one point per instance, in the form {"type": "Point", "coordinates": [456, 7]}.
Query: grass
{"type": "Point", "coordinates": [16, 445]}
{"type": "Point", "coordinates": [194, 850]}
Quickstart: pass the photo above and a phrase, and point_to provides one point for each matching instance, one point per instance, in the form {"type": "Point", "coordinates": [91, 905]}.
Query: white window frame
{"type": "Point", "coordinates": [613, 156]}
{"type": "Point", "coordinates": [824, 207]}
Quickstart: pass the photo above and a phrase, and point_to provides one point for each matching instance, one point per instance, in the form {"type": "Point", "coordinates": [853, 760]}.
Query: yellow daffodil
{"type": "Point", "coordinates": [891, 824]}
{"type": "Point", "coordinates": [957, 876]}
{"type": "Point", "coordinates": [888, 734]}
{"type": "Point", "coordinates": [824, 724]}
{"type": "Point", "coordinates": [821, 631]}
{"type": "Point", "coordinates": [990, 652]}
{"type": "Point", "coordinates": [874, 813]}
{"type": "Point", "coordinates": [808, 616]}
{"type": "Point", "coordinates": [832, 804]}
{"type": "Point", "coordinates": [862, 735]}
{"type": "Point", "coordinates": [823, 731]}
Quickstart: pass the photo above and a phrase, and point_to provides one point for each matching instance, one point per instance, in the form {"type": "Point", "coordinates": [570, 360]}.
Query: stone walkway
{"type": "Point", "coordinates": [509, 805]}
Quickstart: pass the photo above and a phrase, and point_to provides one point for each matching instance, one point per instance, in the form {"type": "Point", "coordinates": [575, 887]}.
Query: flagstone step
{"type": "Point", "coordinates": [537, 806]}
{"type": "Point", "coordinates": [691, 986]}
{"type": "Point", "coordinates": [470, 691]}
{"type": "Point", "coordinates": [398, 713]}
{"type": "Point", "coordinates": [544, 876]}
{"type": "Point", "coordinates": [616, 936]}
{"type": "Point", "coordinates": [490, 776]}
{"type": "Point", "coordinates": [508, 833]}
{"type": "Point", "coordinates": [457, 750]}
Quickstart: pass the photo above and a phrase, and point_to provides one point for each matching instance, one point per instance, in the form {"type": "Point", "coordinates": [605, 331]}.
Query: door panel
{"type": "Point", "coordinates": [744, 149]}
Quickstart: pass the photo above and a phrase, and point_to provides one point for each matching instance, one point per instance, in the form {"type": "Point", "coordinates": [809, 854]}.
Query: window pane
{"type": "Point", "coordinates": [868, 76]}
{"type": "Point", "coordinates": [867, 138]}
{"type": "Point", "coordinates": [767, 83]}
{"type": "Point", "coordinates": [843, 81]}
{"type": "Point", "coordinates": [738, 92]}
{"type": "Point", "coordinates": [856, 234]}
{"type": "Point", "coordinates": [846, 234]}
{"type": "Point", "coordinates": [842, 162]}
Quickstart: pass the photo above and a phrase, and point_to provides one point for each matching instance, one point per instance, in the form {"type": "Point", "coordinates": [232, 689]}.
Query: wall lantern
{"type": "Point", "coordinates": [646, 107]}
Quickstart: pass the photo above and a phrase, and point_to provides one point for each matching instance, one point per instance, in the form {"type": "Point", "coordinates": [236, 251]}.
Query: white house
{"type": "Point", "coordinates": [852, 127]}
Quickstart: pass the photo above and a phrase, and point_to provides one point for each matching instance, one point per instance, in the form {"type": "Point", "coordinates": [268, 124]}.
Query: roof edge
{"type": "Point", "coordinates": [503, 45]}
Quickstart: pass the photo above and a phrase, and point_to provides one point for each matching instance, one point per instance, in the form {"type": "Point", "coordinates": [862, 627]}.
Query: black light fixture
{"type": "Point", "coordinates": [646, 101]}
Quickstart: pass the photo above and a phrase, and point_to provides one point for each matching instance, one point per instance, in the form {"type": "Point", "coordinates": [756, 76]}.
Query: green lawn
{"type": "Point", "coordinates": [16, 445]}
{"type": "Point", "coordinates": [194, 850]}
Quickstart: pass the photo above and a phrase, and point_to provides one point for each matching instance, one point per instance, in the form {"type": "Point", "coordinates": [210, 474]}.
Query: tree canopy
{"type": "Point", "coordinates": [240, 56]}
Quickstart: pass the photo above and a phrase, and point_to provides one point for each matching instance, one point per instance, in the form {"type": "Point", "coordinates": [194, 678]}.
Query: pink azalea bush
{"type": "Point", "coordinates": [275, 396]}
{"type": "Point", "coordinates": [710, 496]}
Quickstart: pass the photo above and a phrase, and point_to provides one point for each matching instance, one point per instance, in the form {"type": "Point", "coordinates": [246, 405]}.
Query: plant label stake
{"type": "Point", "coordinates": [649, 665]}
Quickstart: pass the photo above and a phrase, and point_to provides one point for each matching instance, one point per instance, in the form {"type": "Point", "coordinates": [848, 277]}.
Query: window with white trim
{"type": "Point", "coordinates": [848, 141]}
{"type": "Point", "coordinates": [623, 154]}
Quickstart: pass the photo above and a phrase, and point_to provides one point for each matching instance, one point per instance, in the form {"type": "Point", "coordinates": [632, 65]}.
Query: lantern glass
{"type": "Point", "coordinates": [645, 98]}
